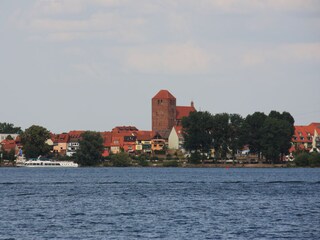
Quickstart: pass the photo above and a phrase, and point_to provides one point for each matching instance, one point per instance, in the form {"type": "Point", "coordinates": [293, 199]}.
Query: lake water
{"type": "Point", "coordinates": [159, 203]}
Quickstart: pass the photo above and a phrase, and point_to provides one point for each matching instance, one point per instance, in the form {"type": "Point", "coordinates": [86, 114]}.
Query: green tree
{"type": "Point", "coordinates": [121, 159]}
{"type": "Point", "coordinates": [9, 137]}
{"type": "Point", "coordinates": [252, 131]}
{"type": "Point", "coordinates": [220, 133]}
{"type": "Point", "coordinates": [90, 149]}
{"type": "Point", "coordinates": [287, 131]}
{"type": "Point", "coordinates": [33, 140]}
{"type": "Point", "coordinates": [197, 132]}
{"type": "Point", "coordinates": [277, 134]}
{"type": "Point", "coordinates": [9, 128]}
{"type": "Point", "coordinates": [308, 159]}
{"type": "Point", "coordinates": [314, 159]}
{"type": "Point", "coordinates": [235, 133]}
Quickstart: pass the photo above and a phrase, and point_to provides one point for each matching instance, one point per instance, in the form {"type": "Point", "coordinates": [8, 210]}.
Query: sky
{"type": "Point", "coordinates": [96, 64]}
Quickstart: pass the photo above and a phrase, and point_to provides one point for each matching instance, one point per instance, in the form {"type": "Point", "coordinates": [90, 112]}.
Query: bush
{"type": "Point", "coordinates": [121, 160]}
{"type": "Point", "coordinates": [171, 163]}
{"type": "Point", "coordinates": [195, 158]}
{"type": "Point", "coordinates": [314, 159]}
{"type": "Point", "coordinates": [143, 162]}
{"type": "Point", "coordinates": [308, 159]}
{"type": "Point", "coordinates": [302, 160]}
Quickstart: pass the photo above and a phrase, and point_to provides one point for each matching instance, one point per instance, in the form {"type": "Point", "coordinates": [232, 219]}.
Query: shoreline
{"type": "Point", "coordinates": [258, 165]}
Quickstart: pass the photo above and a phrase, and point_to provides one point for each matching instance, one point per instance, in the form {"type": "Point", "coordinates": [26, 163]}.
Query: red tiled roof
{"type": "Point", "coordinates": [8, 145]}
{"type": "Point", "coordinates": [125, 129]}
{"type": "Point", "coordinates": [184, 111]}
{"type": "Point", "coordinates": [60, 138]}
{"type": "Point", "coordinates": [75, 133]}
{"type": "Point", "coordinates": [145, 135]}
{"type": "Point", "coordinates": [163, 94]}
{"type": "Point", "coordinates": [305, 133]}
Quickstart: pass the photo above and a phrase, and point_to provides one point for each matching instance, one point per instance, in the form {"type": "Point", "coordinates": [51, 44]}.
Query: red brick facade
{"type": "Point", "coordinates": [163, 111]}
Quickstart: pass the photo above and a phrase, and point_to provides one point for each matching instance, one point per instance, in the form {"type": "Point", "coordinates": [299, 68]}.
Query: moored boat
{"type": "Point", "coordinates": [48, 163]}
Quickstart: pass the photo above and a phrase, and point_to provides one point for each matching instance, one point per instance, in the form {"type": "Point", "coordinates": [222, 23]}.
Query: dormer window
{"type": "Point", "coordinates": [301, 138]}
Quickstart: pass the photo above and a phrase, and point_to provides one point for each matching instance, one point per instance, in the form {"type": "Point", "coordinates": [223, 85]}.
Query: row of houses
{"type": "Point", "coordinates": [121, 138]}
{"type": "Point", "coordinates": [132, 140]}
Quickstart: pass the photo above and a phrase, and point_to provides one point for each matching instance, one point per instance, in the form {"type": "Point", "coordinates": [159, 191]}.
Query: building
{"type": "Point", "coordinates": [166, 114]}
{"type": "Point", "coordinates": [175, 140]}
{"type": "Point", "coordinates": [306, 138]}
{"type": "Point", "coordinates": [60, 143]}
{"type": "Point", "coordinates": [73, 142]}
{"type": "Point", "coordinates": [123, 138]}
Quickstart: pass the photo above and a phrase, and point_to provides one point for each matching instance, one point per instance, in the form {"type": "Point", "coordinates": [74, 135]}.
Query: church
{"type": "Point", "coordinates": [166, 114]}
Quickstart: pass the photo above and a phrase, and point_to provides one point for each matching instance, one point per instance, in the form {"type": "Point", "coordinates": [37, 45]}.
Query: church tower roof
{"type": "Point", "coordinates": [163, 94]}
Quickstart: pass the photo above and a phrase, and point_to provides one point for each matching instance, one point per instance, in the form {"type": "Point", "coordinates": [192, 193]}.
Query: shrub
{"type": "Point", "coordinates": [121, 159]}
{"type": "Point", "coordinates": [173, 163]}
{"type": "Point", "coordinates": [195, 158]}
{"type": "Point", "coordinates": [308, 159]}
{"type": "Point", "coordinates": [314, 159]}
{"type": "Point", "coordinates": [143, 162]}
{"type": "Point", "coordinates": [302, 159]}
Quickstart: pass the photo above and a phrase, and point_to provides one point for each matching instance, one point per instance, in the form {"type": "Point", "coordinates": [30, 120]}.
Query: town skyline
{"type": "Point", "coordinates": [93, 65]}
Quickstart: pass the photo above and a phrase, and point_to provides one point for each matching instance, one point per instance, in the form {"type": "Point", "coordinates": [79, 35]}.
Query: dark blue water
{"type": "Point", "coordinates": [159, 203]}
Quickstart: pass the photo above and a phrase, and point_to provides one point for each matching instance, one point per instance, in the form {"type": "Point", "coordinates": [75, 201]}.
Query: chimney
{"type": "Point", "coordinates": [192, 104]}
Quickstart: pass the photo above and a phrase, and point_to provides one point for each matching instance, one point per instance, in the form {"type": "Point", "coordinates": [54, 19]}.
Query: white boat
{"type": "Point", "coordinates": [48, 163]}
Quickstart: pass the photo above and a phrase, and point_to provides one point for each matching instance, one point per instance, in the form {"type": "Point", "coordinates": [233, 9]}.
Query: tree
{"type": "Point", "coordinates": [277, 134]}
{"type": "Point", "coordinates": [197, 132]}
{"type": "Point", "coordinates": [121, 159]}
{"type": "Point", "coordinates": [252, 132]}
{"type": "Point", "coordinates": [287, 131]}
{"type": "Point", "coordinates": [34, 140]}
{"type": "Point", "coordinates": [220, 133]}
{"type": "Point", "coordinates": [9, 128]}
{"type": "Point", "coordinates": [9, 137]}
{"type": "Point", "coordinates": [308, 159]}
{"type": "Point", "coordinates": [235, 133]}
{"type": "Point", "coordinates": [90, 149]}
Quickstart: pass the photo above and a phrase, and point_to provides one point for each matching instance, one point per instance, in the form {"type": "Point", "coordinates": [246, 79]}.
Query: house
{"type": "Point", "coordinates": [123, 138]}
{"type": "Point", "coordinates": [175, 140]}
{"type": "Point", "coordinates": [73, 142]}
{"type": "Point", "coordinates": [306, 138]}
{"type": "Point", "coordinates": [7, 145]}
{"type": "Point", "coordinates": [144, 141]}
{"type": "Point", "coordinates": [60, 143]}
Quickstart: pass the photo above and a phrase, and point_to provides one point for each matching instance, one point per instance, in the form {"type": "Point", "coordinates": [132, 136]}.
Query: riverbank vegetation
{"type": "Point", "coordinates": [308, 159]}
{"type": "Point", "coordinates": [268, 136]}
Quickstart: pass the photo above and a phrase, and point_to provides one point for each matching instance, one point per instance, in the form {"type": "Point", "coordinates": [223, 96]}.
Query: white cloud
{"type": "Point", "coordinates": [61, 7]}
{"type": "Point", "coordinates": [169, 59]}
{"type": "Point", "coordinates": [244, 6]}
{"type": "Point", "coordinates": [285, 53]}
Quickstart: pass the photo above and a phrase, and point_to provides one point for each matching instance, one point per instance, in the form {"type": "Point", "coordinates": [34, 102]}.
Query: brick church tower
{"type": "Point", "coordinates": [163, 111]}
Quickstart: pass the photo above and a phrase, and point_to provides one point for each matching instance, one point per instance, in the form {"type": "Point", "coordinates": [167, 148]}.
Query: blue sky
{"type": "Point", "coordinates": [96, 64]}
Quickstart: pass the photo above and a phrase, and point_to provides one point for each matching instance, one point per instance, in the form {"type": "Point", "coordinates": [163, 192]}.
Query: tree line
{"type": "Point", "coordinates": [268, 136]}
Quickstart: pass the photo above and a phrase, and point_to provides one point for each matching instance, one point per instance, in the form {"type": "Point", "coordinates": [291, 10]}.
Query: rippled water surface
{"type": "Point", "coordinates": [159, 203]}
